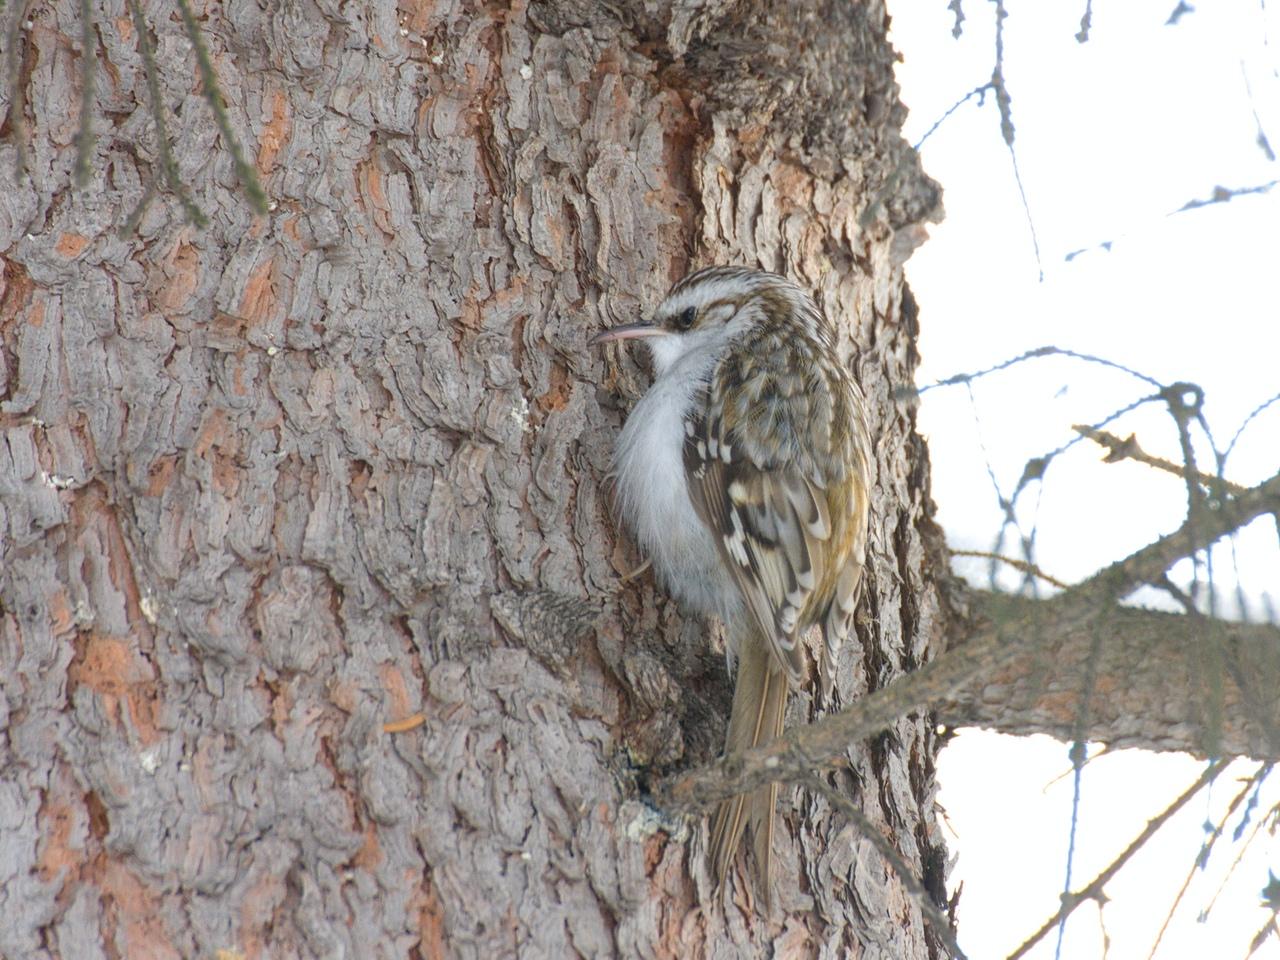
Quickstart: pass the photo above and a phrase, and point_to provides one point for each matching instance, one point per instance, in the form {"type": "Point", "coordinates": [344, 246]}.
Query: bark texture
{"type": "Point", "coordinates": [1129, 678]}
{"type": "Point", "coordinates": [271, 485]}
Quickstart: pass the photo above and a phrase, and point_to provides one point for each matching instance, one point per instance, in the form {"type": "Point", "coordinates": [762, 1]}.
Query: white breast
{"type": "Point", "coordinates": [653, 495]}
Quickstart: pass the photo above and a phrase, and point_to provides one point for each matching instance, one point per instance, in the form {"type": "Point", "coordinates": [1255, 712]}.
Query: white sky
{"type": "Point", "coordinates": [1112, 136]}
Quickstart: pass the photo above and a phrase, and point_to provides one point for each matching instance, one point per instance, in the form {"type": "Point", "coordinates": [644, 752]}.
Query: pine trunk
{"type": "Point", "coordinates": [276, 483]}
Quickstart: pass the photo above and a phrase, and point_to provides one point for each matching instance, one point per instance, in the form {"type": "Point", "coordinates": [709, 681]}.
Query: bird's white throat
{"type": "Point", "coordinates": [653, 495]}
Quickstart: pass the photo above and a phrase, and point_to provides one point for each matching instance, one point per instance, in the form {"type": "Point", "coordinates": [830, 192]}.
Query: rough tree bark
{"type": "Point", "coordinates": [273, 484]}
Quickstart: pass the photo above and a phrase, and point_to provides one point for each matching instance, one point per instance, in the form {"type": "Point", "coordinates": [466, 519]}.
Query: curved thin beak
{"type": "Point", "coordinates": [627, 331]}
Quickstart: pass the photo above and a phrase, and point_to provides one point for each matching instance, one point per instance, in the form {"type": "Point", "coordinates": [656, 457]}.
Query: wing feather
{"type": "Point", "coordinates": [768, 523]}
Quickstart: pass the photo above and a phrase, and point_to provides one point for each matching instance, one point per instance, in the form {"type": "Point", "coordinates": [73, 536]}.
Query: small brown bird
{"type": "Point", "coordinates": [744, 474]}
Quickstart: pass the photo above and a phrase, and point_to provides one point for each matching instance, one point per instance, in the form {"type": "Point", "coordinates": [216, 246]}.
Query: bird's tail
{"type": "Point", "coordinates": [759, 704]}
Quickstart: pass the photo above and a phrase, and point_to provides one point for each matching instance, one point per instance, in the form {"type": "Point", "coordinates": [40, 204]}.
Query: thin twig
{"type": "Point", "coordinates": [135, 215]}
{"type": "Point", "coordinates": [167, 163]}
{"type": "Point", "coordinates": [1219, 194]}
{"type": "Point", "coordinates": [919, 895]}
{"type": "Point", "coordinates": [1094, 889]}
{"type": "Point", "coordinates": [1005, 104]}
{"type": "Point", "coordinates": [1036, 467]}
{"type": "Point", "coordinates": [212, 93]}
{"type": "Point", "coordinates": [1185, 401]}
{"type": "Point", "coordinates": [1222, 194]}
{"type": "Point", "coordinates": [1179, 595]}
{"type": "Point", "coordinates": [1128, 449]}
{"type": "Point", "coordinates": [1267, 930]}
{"type": "Point", "coordinates": [89, 64]}
{"type": "Point", "coordinates": [1261, 139]}
{"type": "Point", "coordinates": [1079, 754]}
{"type": "Point", "coordinates": [1046, 351]}
{"type": "Point", "coordinates": [1086, 23]}
{"type": "Point", "coordinates": [17, 52]}
{"type": "Point", "coordinates": [1201, 859]}
{"type": "Point", "coordinates": [1226, 516]}
{"type": "Point", "coordinates": [1017, 564]}
{"type": "Point", "coordinates": [1247, 420]}
{"type": "Point", "coordinates": [979, 91]}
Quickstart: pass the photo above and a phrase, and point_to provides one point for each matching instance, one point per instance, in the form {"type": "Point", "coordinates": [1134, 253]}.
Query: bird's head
{"type": "Point", "coordinates": [709, 309]}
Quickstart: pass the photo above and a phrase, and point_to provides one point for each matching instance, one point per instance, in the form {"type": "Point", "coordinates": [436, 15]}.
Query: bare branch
{"type": "Point", "coordinates": [1219, 194]}
{"type": "Point", "coordinates": [998, 643]}
{"type": "Point", "coordinates": [1223, 194]}
{"type": "Point", "coordinates": [1164, 681]}
{"type": "Point", "coordinates": [1094, 889]}
{"type": "Point", "coordinates": [1014, 562]}
{"type": "Point", "coordinates": [1128, 449]}
{"type": "Point", "coordinates": [1150, 563]}
{"type": "Point", "coordinates": [1046, 351]}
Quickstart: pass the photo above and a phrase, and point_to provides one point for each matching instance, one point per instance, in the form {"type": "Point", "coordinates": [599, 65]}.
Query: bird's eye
{"type": "Point", "coordinates": [684, 319]}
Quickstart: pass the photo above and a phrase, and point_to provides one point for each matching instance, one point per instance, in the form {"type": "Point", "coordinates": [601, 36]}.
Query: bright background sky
{"type": "Point", "coordinates": [1113, 136]}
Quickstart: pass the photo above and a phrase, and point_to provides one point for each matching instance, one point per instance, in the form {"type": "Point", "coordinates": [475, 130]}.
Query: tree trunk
{"type": "Point", "coordinates": [276, 483]}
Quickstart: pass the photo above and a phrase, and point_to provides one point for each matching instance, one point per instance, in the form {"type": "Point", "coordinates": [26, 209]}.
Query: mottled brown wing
{"type": "Point", "coordinates": [768, 524]}
{"type": "Point", "coordinates": [837, 624]}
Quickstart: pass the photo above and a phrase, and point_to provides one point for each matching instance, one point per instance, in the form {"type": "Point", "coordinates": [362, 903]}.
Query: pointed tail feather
{"type": "Point", "coordinates": [759, 705]}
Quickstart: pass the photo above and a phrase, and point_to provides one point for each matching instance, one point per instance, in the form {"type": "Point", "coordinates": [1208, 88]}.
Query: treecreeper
{"type": "Point", "coordinates": [743, 473]}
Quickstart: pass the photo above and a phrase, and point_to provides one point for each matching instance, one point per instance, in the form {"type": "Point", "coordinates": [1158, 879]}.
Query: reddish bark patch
{"type": "Point", "coordinates": [361, 475]}
{"type": "Point", "coordinates": [138, 912]}
{"type": "Point", "coordinates": [99, 822]}
{"type": "Point", "coordinates": [370, 180]}
{"type": "Point", "coordinates": [417, 14]}
{"type": "Point", "coordinates": [239, 386]}
{"type": "Point", "coordinates": [431, 925]}
{"type": "Point", "coordinates": [281, 706]}
{"type": "Point", "coordinates": [793, 185]}
{"type": "Point", "coordinates": [181, 269]}
{"type": "Point", "coordinates": [399, 703]}
{"type": "Point", "coordinates": [213, 433]}
{"type": "Point", "coordinates": [275, 134]}
{"type": "Point", "coordinates": [256, 914]}
{"type": "Point", "coordinates": [259, 298]}
{"type": "Point", "coordinates": [60, 613]}
{"type": "Point", "coordinates": [16, 288]}
{"type": "Point", "coordinates": [112, 668]}
{"type": "Point", "coordinates": [159, 474]}
{"type": "Point", "coordinates": [70, 244]}
{"type": "Point", "coordinates": [369, 857]}
{"type": "Point", "coordinates": [57, 854]}
{"type": "Point", "coordinates": [344, 697]}
{"type": "Point", "coordinates": [106, 667]}
{"type": "Point", "coordinates": [680, 137]}
{"type": "Point", "coordinates": [557, 397]}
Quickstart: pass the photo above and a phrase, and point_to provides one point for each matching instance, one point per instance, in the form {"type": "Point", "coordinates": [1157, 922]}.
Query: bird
{"type": "Point", "coordinates": [743, 474]}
